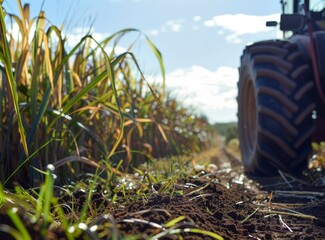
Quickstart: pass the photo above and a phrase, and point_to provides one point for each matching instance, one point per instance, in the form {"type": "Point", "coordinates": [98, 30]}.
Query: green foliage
{"type": "Point", "coordinates": [231, 133]}
{"type": "Point", "coordinates": [84, 104]}
{"type": "Point", "coordinates": [228, 130]}
{"type": "Point", "coordinates": [70, 113]}
{"type": "Point", "coordinates": [22, 231]}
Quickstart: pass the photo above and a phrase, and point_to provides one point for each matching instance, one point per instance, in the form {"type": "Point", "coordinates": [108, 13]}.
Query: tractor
{"type": "Point", "coordinates": [281, 93]}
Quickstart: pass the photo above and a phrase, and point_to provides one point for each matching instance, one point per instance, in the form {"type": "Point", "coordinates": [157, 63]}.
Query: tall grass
{"type": "Point", "coordinates": [81, 105]}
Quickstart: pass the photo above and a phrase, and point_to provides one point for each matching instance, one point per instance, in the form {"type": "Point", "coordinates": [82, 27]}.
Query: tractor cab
{"type": "Point", "coordinates": [297, 6]}
{"type": "Point", "coordinates": [297, 13]}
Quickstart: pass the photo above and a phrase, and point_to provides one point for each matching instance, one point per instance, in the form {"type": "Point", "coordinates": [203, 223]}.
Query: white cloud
{"type": "Point", "coordinates": [168, 26]}
{"type": "Point", "coordinates": [76, 34]}
{"type": "Point", "coordinates": [174, 25]}
{"type": "Point", "coordinates": [209, 23]}
{"type": "Point", "coordinates": [73, 38]}
{"type": "Point", "coordinates": [154, 32]}
{"type": "Point", "coordinates": [210, 91]}
{"type": "Point", "coordinates": [15, 31]}
{"type": "Point", "coordinates": [197, 18]}
{"type": "Point", "coordinates": [233, 38]}
{"type": "Point", "coordinates": [238, 25]}
{"type": "Point", "coordinates": [118, 50]}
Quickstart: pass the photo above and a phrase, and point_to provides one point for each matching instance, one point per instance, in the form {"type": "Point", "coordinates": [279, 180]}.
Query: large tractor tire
{"type": "Point", "coordinates": [275, 106]}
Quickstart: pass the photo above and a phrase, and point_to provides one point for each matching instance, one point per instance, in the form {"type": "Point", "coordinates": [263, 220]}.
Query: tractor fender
{"type": "Point", "coordinates": [304, 43]}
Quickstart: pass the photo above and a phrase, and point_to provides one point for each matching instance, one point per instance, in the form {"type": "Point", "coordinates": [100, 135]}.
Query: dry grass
{"type": "Point", "coordinates": [59, 104]}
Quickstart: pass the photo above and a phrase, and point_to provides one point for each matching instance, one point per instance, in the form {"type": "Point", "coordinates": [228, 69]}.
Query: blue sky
{"type": "Point", "coordinates": [201, 40]}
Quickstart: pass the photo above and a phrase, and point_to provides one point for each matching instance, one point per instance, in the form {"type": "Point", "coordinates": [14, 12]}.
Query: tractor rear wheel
{"type": "Point", "coordinates": [275, 107]}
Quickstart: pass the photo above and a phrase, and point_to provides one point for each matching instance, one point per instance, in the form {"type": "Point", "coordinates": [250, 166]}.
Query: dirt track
{"type": "Point", "coordinates": [227, 203]}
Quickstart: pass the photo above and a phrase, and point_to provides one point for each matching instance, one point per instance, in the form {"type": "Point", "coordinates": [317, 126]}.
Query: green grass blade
{"type": "Point", "coordinates": [26, 160]}
{"type": "Point", "coordinates": [204, 232]}
{"type": "Point", "coordinates": [249, 216]}
{"type": "Point", "coordinates": [173, 222]}
{"type": "Point", "coordinates": [11, 231]}
{"type": "Point", "coordinates": [6, 58]}
{"type": "Point", "coordinates": [87, 88]}
{"type": "Point", "coordinates": [161, 64]}
{"type": "Point", "coordinates": [40, 114]}
{"type": "Point", "coordinates": [118, 35]}
{"type": "Point", "coordinates": [157, 99]}
{"type": "Point", "coordinates": [111, 76]}
{"type": "Point", "coordinates": [12, 213]}
{"type": "Point", "coordinates": [48, 195]}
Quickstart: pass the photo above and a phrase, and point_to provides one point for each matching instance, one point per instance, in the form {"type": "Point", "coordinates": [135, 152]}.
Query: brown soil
{"type": "Point", "coordinates": [230, 204]}
{"type": "Point", "coordinates": [225, 202]}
